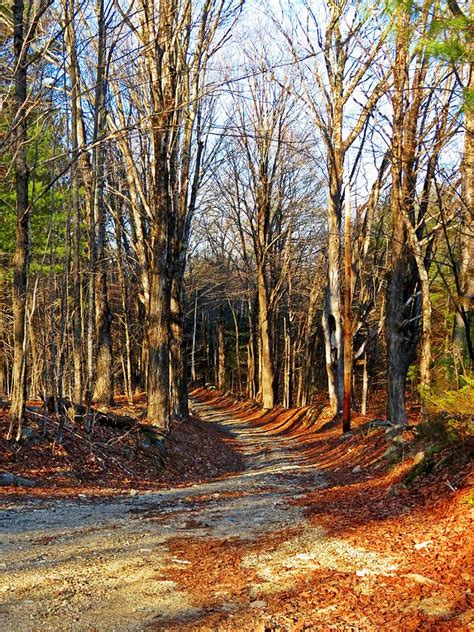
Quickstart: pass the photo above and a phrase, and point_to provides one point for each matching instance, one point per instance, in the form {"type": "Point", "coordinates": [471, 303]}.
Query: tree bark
{"type": "Point", "coordinates": [221, 378]}
{"type": "Point", "coordinates": [193, 347]}
{"type": "Point", "coordinates": [266, 356]}
{"type": "Point", "coordinates": [20, 261]}
{"type": "Point", "coordinates": [103, 382]}
{"type": "Point", "coordinates": [462, 339]}
{"type": "Point", "coordinates": [251, 350]}
{"type": "Point", "coordinates": [346, 415]}
{"type": "Point", "coordinates": [179, 391]}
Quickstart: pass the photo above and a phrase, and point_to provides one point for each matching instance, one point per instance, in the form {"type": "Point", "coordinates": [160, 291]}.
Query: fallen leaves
{"type": "Point", "coordinates": [110, 462]}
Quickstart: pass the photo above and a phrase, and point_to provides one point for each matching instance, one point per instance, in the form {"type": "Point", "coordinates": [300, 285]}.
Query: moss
{"type": "Point", "coordinates": [425, 466]}
{"type": "Point", "coordinates": [470, 500]}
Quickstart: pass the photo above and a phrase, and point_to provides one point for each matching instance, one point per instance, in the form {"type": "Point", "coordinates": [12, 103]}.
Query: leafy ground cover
{"type": "Point", "coordinates": [289, 525]}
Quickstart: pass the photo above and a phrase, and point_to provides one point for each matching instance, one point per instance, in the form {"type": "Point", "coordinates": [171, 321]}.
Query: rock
{"type": "Point", "coordinates": [145, 442]}
{"type": "Point", "coordinates": [357, 469]}
{"type": "Point", "coordinates": [419, 456]}
{"type": "Point", "coordinates": [435, 606]}
{"type": "Point", "coordinates": [17, 481]}
{"type": "Point", "coordinates": [392, 453]}
{"type": "Point", "coordinates": [422, 545]}
{"type": "Point", "coordinates": [133, 492]}
{"type": "Point", "coordinates": [393, 431]}
{"type": "Point", "coordinates": [27, 433]}
{"type": "Point", "coordinates": [399, 439]}
{"type": "Point", "coordinates": [421, 579]}
{"type": "Point", "coordinates": [395, 490]}
{"type": "Point", "coordinates": [380, 423]}
{"type": "Point", "coordinates": [258, 604]}
{"type": "Point", "coordinates": [65, 473]}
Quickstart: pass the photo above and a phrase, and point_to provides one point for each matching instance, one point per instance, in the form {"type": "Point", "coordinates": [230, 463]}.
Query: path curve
{"type": "Point", "coordinates": [90, 564]}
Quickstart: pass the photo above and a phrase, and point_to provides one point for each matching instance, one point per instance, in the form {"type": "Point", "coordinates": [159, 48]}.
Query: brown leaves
{"type": "Point", "coordinates": [109, 461]}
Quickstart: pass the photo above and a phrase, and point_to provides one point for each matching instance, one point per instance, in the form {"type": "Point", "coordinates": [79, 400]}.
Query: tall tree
{"type": "Point", "coordinates": [332, 72]}
{"type": "Point", "coordinates": [25, 25]}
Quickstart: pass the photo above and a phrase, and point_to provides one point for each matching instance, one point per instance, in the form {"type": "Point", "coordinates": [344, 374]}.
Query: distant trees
{"type": "Point", "coordinates": [173, 213]}
{"type": "Point", "coordinates": [332, 73]}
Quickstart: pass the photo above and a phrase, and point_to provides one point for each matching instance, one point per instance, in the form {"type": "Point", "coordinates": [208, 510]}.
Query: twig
{"type": "Point", "coordinates": [112, 441]}
{"type": "Point", "coordinates": [90, 443]}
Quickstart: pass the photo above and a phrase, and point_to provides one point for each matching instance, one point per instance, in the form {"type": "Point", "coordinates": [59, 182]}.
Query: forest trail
{"type": "Point", "coordinates": [206, 556]}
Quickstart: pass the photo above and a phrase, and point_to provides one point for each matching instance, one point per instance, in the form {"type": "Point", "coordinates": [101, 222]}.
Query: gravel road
{"type": "Point", "coordinates": [89, 564]}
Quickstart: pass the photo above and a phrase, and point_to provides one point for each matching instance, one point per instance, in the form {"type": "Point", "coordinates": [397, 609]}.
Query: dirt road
{"type": "Point", "coordinates": [148, 561]}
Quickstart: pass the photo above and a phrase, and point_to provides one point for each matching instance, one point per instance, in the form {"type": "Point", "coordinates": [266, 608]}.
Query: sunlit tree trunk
{"type": "Point", "coordinates": [179, 393]}
{"type": "Point", "coordinates": [20, 261]}
{"type": "Point", "coordinates": [267, 375]}
{"type": "Point", "coordinates": [462, 339]}
{"type": "Point", "coordinates": [221, 377]}
{"type": "Point", "coordinates": [251, 351]}
{"type": "Point", "coordinates": [348, 356]}
{"type": "Point", "coordinates": [193, 346]}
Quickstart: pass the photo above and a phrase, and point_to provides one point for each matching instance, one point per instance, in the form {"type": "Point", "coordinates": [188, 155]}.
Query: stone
{"type": "Point", "coordinates": [395, 490]}
{"type": "Point", "coordinates": [421, 579]}
{"type": "Point", "coordinates": [419, 456]}
{"type": "Point", "coordinates": [392, 453]}
{"type": "Point", "coordinates": [435, 606]}
{"type": "Point", "coordinates": [380, 423]}
{"type": "Point", "coordinates": [399, 439]}
{"type": "Point", "coordinates": [145, 442]}
{"type": "Point", "coordinates": [27, 433]}
{"type": "Point", "coordinates": [357, 469]}
{"type": "Point", "coordinates": [393, 431]}
{"type": "Point", "coordinates": [421, 545]}
{"type": "Point", "coordinates": [133, 492]}
{"type": "Point", "coordinates": [7, 479]}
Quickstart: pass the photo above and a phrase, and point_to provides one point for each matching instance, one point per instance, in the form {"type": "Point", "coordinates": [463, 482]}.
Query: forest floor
{"type": "Point", "coordinates": [281, 523]}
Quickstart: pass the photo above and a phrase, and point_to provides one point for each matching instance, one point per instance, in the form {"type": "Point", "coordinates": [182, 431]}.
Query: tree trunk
{"type": "Point", "coordinates": [365, 387]}
{"type": "Point", "coordinates": [333, 329]}
{"type": "Point", "coordinates": [287, 365]}
{"type": "Point", "coordinates": [158, 386]}
{"type": "Point", "coordinates": [179, 391]}
{"type": "Point", "coordinates": [237, 347]}
{"type": "Point", "coordinates": [462, 340]}
{"type": "Point", "coordinates": [221, 379]}
{"type": "Point", "coordinates": [128, 382]}
{"type": "Point", "coordinates": [103, 383]}
{"type": "Point", "coordinates": [266, 356]}
{"type": "Point", "coordinates": [402, 326]}
{"type": "Point", "coordinates": [346, 415]}
{"type": "Point", "coordinates": [329, 345]}
{"type": "Point", "coordinates": [251, 387]}
{"type": "Point", "coordinates": [308, 346]}
{"type": "Point", "coordinates": [20, 261]}
{"type": "Point", "coordinates": [3, 331]}
{"type": "Point", "coordinates": [76, 220]}
{"type": "Point", "coordinates": [193, 348]}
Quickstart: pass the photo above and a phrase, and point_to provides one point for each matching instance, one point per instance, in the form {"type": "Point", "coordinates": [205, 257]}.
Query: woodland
{"type": "Point", "coordinates": [255, 212]}
{"type": "Point", "coordinates": [280, 207]}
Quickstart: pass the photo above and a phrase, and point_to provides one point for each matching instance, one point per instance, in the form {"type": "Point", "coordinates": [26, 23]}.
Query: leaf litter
{"type": "Point", "coordinates": [294, 541]}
